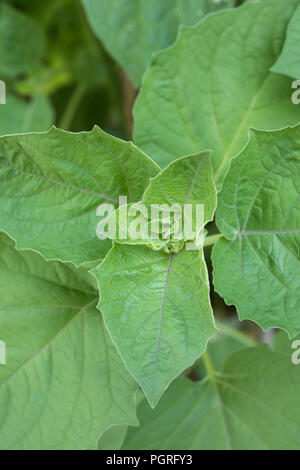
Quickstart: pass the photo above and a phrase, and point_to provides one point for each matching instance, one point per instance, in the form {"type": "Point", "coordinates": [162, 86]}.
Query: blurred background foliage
{"type": "Point", "coordinates": [64, 64]}
{"type": "Point", "coordinates": [56, 70]}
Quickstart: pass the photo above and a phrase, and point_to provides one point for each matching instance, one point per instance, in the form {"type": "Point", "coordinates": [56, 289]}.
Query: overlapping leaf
{"type": "Point", "coordinates": [52, 184]}
{"type": "Point", "coordinates": [187, 181]}
{"type": "Point", "coordinates": [156, 308]}
{"type": "Point", "coordinates": [251, 405]}
{"type": "Point", "coordinates": [132, 30]}
{"type": "Point", "coordinates": [215, 83]}
{"type": "Point", "coordinates": [64, 382]}
{"type": "Point", "coordinates": [289, 60]}
{"type": "Point", "coordinates": [257, 266]}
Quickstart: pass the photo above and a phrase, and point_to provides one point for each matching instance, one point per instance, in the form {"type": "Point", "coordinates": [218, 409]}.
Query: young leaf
{"type": "Point", "coordinates": [188, 180]}
{"type": "Point", "coordinates": [215, 83]}
{"type": "Point", "coordinates": [246, 407]}
{"type": "Point", "coordinates": [258, 212]}
{"type": "Point", "coordinates": [289, 60]}
{"type": "Point", "coordinates": [157, 310]}
{"type": "Point", "coordinates": [63, 383]}
{"type": "Point", "coordinates": [21, 42]}
{"type": "Point", "coordinates": [134, 29]}
{"type": "Point", "coordinates": [52, 184]}
{"type": "Point", "coordinates": [20, 116]}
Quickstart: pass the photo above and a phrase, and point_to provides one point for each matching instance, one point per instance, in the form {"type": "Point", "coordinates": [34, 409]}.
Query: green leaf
{"type": "Point", "coordinates": [283, 344]}
{"type": "Point", "coordinates": [221, 346]}
{"type": "Point", "coordinates": [63, 383]}
{"type": "Point", "coordinates": [19, 116]}
{"type": "Point", "coordinates": [188, 180]}
{"type": "Point", "coordinates": [22, 42]}
{"type": "Point", "coordinates": [134, 29]}
{"type": "Point", "coordinates": [113, 438]}
{"type": "Point", "coordinates": [52, 184]}
{"type": "Point", "coordinates": [157, 310]}
{"type": "Point", "coordinates": [258, 212]}
{"type": "Point", "coordinates": [247, 407]}
{"type": "Point", "coordinates": [214, 83]}
{"type": "Point", "coordinates": [289, 60]}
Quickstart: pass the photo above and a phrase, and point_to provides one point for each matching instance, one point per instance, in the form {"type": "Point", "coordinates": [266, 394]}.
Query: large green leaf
{"type": "Point", "coordinates": [289, 60]}
{"type": "Point", "coordinates": [52, 183]}
{"type": "Point", "coordinates": [187, 181]}
{"type": "Point", "coordinates": [64, 382]}
{"type": "Point", "coordinates": [132, 30]}
{"type": "Point", "coordinates": [21, 42]}
{"type": "Point", "coordinates": [157, 310]}
{"type": "Point", "coordinates": [214, 83]}
{"type": "Point", "coordinates": [18, 116]}
{"type": "Point", "coordinates": [253, 404]}
{"type": "Point", "coordinates": [258, 212]}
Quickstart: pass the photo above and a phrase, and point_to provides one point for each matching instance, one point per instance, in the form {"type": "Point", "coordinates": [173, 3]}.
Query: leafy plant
{"type": "Point", "coordinates": [121, 341]}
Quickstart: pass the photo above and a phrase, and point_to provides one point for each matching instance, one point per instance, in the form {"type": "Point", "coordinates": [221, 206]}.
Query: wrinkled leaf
{"type": "Point", "coordinates": [64, 382]}
{"type": "Point", "coordinates": [257, 266]}
{"type": "Point", "coordinates": [246, 407]}
{"type": "Point", "coordinates": [214, 83]}
{"type": "Point", "coordinates": [187, 181]}
{"type": "Point", "coordinates": [52, 184]}
{"type": "Point", "coordinates": [157, 310]}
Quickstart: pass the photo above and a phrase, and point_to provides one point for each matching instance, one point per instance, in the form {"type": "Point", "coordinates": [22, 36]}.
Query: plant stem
{"type": "Point", "coordinates": [236, 334]}
{"type": "Point", "coordinates": [208, 364]}
{"type": "Point", "coordinates": [67, 117]}
{"type": "Point", "coordinates": [212, 239]}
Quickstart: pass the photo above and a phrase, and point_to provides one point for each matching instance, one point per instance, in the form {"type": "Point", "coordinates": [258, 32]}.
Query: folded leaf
{"type": "Point", "coordinates": [187, 181]}
{"type": "Point", "coordinates": [63, 383]}
{"type": "Point", "coordinates": [257, 268]}
{"type": "Point", "coordinates": [157, 310]}
{"type": "Point", "coordinates": [246, 407]}
{"type": "Point", "coordinates": [134, 29]}
{"type": "Point", "coordinates": [289, 60]}
{"type": "Point", "coordinates": [214, 83]}
{"type": "Point", "coordinates": [52, 184]}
